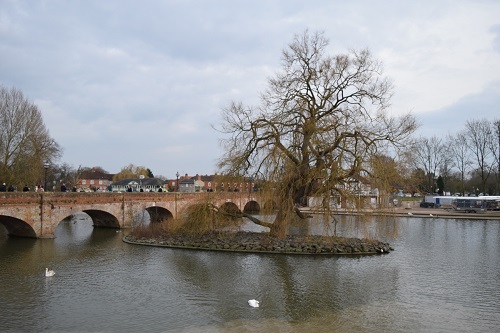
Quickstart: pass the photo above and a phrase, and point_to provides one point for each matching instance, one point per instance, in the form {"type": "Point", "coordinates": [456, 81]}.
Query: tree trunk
{"type": "Point", "coordinates": [257, 221]}
{"type": "Point", "coordinates": [279, 229]}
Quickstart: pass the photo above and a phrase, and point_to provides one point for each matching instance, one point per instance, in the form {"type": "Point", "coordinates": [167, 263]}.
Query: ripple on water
{"type": "Point", "coordinates": [443, 276]}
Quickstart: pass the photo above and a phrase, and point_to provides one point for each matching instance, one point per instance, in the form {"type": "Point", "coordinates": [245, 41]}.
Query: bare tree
{"type": "Point", "coordinates": [479, 137]}
{"type": "Point", "coordinates": [495, 149]}
{"type": "Point", "coordinates": [25, 143]}
{"type": "Point", "coordinates": [319, 123]}
{"type": "Point", "coordinates": [66, 174]}
{"type": "Point", "coordinates": [430, 156]}
{"type": "Point", "coordinates": [460, 153]}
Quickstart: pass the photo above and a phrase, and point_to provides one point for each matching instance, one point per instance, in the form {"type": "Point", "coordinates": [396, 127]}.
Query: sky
{"type": "Point", "coordinates": [122, 82]}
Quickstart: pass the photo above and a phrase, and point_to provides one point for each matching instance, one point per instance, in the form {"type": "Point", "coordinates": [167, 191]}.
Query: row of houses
{"type": "Point", "coordinates": [95, 180]}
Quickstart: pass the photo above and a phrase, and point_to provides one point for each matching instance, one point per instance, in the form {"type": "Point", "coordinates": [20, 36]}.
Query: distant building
{"type": "Point", "coordinates": [138, 184]}
{"type": "Point", "coordinates": [94, 180]}
{"type": "Point", "coordinates": [208, 182]}
{"type": "Point", "coordinates": [194, 184]}
{"type": "Point", "coordinates": [234, 184]}
{"type": "Point", "coordinates": [173, 184]}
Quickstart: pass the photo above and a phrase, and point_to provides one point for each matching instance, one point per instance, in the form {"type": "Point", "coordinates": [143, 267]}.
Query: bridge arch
{"type": "Point", "coordinates": [230, 207]}
{"type": "Point", "coordinates": [17, 227]}
{"type": "Point", "coordinates": [251, 207]}
{"type": "Point", "coordinates": [102, 218]}
{"type": "Point", "coordinates": [159, 214]}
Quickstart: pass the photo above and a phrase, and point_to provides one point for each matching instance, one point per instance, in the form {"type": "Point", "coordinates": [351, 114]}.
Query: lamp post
{"type": "Point", "coordinates": [176, 190]}
{"type": "Point", "coordinates": [141, 177]}
{"type": "Point", "coordinates": [45, 166]}
{"type": "Point", "coordinates": [177, 183]}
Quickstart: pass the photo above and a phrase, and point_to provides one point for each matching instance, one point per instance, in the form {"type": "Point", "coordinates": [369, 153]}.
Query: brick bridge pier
{"type": "Point", "coordinates": [37, 215]}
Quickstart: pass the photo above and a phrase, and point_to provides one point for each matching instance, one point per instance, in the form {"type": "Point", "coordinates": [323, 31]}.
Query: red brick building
{"type": "Point", "coordinates": [94, 180]}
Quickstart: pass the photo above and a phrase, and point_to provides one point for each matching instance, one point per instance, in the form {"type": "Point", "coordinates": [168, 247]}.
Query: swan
{"type": "Point", "coordinates": [431, 215]}
{"type": "Point", "coordinates": [253, 303]}
{"type": "Point", "coordinates": [410, 213]}
{"type": "Point", "coordinates": [49, 272]}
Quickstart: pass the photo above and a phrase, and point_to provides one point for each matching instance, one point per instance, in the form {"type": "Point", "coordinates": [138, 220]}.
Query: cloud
{"type": "Point", "coordinates": [122, 82]}
{"type": "Point", "coordinates": [452, 119]}
{"type": "Point", "coordinates": [495, 30]}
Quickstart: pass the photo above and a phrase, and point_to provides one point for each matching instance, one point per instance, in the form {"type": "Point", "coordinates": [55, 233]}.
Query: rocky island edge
{"type": "Point", "coordinates": [255, 242]}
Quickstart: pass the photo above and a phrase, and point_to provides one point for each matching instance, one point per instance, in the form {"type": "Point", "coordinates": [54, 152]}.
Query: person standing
{"type": "Point", "coordinates": [63, 188]}
{"type": "Point", "coordinates": [3, 188]}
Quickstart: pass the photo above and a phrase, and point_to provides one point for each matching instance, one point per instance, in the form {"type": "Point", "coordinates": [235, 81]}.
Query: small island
{"type": "Point", "coordinates": [255, 242]}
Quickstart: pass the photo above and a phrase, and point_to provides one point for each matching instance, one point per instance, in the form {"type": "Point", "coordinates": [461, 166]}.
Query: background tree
{"type": "Point", "coordinates": [479, 136]}
{"type": "Point", "coordinates": [25, 143]}
{"type": "Point", "coordinates": [440, 185]}
{"type": "Point", "coordinates": [460, 153]}
{"type": "Point", "coordinates": [319, 123]}
{"type": "Point", "coordinates": [419, 178]}
{"type": "Point", "coordinates": [97, 169]}
{"type": "Point", "coordinates": [386, 176]}
{"type": "Point", "coordinates": [62, 174]}
{"type": "Point", "coordinates": [495, 148]}
{"type": "Point", "coordinates": [445, 170]}
{"type": "Point", "coordinates": [429, 155]}
{"type": "Point", "coordinates": [411, 179]}
{"type": "Point", "coordinates": [131, 171]}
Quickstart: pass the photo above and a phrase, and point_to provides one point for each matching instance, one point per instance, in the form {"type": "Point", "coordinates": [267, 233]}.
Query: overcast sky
{"type": "Point", "coordinates": [141, 82]}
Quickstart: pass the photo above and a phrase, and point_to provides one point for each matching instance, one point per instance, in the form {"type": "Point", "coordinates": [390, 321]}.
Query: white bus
{"type": "Point", "coordinates": [476, 204]}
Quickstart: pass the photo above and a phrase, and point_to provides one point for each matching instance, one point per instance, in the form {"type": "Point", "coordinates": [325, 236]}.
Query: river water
{"type": "Point", "coordinates": [444, 276]}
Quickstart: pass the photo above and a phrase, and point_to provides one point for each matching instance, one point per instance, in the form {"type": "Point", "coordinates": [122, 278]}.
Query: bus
{"type": "Point", "coordinates": [476, 204]}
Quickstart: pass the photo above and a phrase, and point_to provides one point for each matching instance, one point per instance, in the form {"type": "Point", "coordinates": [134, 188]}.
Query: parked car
{"type": "Point", "coordinates": [424, 204]}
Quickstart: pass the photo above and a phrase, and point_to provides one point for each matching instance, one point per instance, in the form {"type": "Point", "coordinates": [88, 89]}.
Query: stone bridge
{"type": "Point", "coordinates": [37, 215]}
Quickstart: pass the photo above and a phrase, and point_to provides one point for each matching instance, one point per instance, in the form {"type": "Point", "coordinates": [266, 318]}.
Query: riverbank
{"type": "Point", "coordinates": [416, 211]}
{"type": "Point", "coordinates": [411, 209]}
{"type": "Point", "coordinates": [255, 242]}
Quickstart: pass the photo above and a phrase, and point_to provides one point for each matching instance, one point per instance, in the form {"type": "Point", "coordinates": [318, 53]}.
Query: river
{"type": "Point", "coordinates": [444, 276]}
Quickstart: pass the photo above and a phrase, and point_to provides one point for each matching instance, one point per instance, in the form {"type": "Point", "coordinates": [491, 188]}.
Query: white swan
{"type": "Point", "coordinates": [410, 213]}
{"type": "Point", "coordinates": [49, 272]}
{"type": "Point", "coordinates": [253, 303]}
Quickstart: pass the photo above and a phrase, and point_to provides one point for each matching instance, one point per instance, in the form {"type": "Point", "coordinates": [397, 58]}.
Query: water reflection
{"type": "Point", "coordinates": [442, 276]}
{"type": "Point", "coordinates": [384, 228]}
